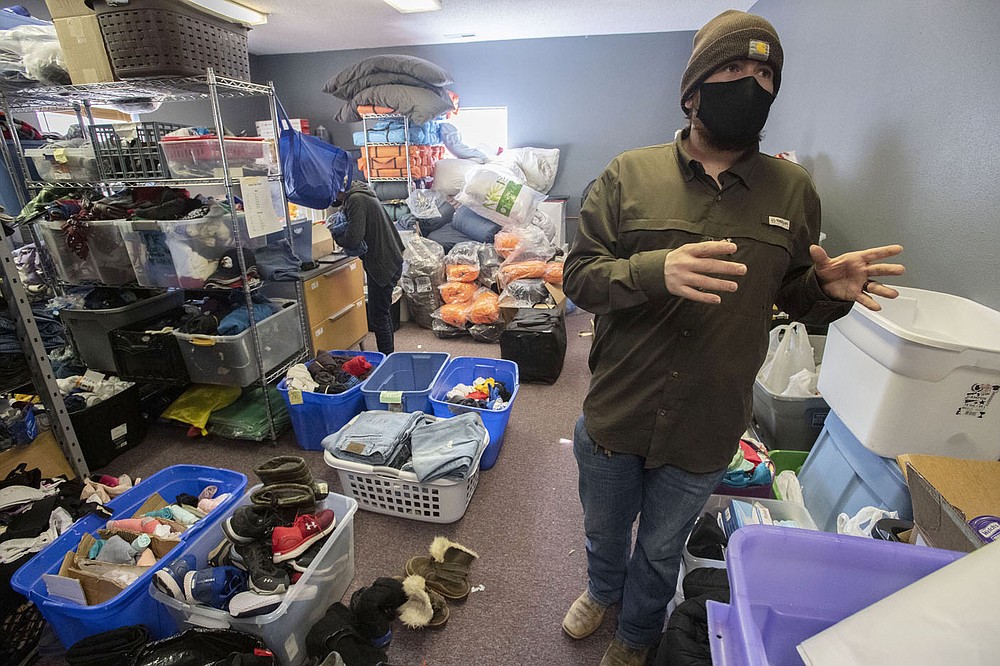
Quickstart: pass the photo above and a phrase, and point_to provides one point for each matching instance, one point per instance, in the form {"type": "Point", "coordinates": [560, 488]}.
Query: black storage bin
{"type": "Point", "coordinates": [110, 428]}
{"type": "Point", "coordinates": [152, 357]}
{"type": "Point", "coordinates": [536, 341]}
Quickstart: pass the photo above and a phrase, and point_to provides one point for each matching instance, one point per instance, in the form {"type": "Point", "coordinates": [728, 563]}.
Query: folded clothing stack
{"type": "Point", "coordinates": [413, 442]}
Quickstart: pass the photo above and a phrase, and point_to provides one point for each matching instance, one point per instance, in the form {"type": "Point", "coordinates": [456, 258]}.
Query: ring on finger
{"type": "Point", "coordinates": [867, 283]}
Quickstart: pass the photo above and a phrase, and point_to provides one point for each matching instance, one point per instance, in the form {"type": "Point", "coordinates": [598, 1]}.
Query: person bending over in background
{"type": "Point", "coordinates": [682, 250]}
{"type": "Point", "coordinates": [365, 229]}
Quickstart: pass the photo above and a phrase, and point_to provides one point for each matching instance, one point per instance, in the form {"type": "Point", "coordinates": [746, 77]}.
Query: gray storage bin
{"type": "Point", "coordinates": [790, 423]}
{"type": "Point", "coordinates": [90, 328]}
{"type": "Point", "coordinates": [230, 359]}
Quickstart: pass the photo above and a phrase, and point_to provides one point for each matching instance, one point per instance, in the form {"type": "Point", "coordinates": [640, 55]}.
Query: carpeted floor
{"type": "Point", "coordinates": [524, 521]}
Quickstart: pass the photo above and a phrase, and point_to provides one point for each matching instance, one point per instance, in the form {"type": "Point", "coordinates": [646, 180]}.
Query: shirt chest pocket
{"type": "Point", "coordinates": [646, 234]}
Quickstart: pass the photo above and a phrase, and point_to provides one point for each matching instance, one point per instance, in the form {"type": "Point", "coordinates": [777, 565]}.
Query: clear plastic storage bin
{"type": "Point", "coordinates": [146, 244]}
{"type": "Point", "coordinates": [283, 629]}
{"type": "Point", "coordinates": [230, 360]}
{"type": "Point", "coordinates": [70, 265]}
{"type": "Point", "coordinates": [197, 245]}
{"type": "Point", "coordinates": [921, 376]}
{"type": "Point", "coordinates": [201, 157]}
{"type": "Point", "coordinates": [55, 164]}
{"type": "Point", "coordinates": [106, 257]}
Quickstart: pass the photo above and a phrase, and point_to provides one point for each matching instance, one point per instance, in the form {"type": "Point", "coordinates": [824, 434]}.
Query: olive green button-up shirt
{"type": "Point", "coordinates": [672, 378]}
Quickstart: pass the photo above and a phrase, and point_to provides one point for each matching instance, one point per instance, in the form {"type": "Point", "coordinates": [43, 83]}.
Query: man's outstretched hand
{"type": "Point", "coordinates": [851, 276]}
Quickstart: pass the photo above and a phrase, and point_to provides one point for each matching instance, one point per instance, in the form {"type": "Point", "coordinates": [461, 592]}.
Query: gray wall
{"type": "Point", "coordinates": [591, 97]}
{"type": "Point", "coordinates": [894, 106]}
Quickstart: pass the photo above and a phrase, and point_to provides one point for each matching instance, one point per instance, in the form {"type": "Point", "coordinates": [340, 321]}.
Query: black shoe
{"type": "Point", "coordinates": [374, 609]}
{"type": "Point", "coordinates": [302, 562]}
{"type": "Point", "coordinates": [250, 523]}
{"type": "Point", "coordinates": [265, 577]}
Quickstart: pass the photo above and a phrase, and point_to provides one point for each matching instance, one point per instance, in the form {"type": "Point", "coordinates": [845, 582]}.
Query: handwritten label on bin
{"type": "Point", "coordinates": [295, 397]}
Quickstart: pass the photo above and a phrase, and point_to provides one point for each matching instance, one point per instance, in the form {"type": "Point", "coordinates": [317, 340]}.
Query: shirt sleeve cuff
{"type": "Point", "coordinates": [647, 271]}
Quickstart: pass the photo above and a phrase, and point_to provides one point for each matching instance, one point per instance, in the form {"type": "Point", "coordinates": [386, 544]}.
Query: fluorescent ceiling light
{"type": "Point", "coordinates": [411, 6]}
{"type": "Point", "coordinates": [232, 11]}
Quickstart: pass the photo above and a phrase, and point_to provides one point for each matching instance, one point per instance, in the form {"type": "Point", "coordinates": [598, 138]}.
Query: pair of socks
{"type": "Point", "coordinates": [116, 550]}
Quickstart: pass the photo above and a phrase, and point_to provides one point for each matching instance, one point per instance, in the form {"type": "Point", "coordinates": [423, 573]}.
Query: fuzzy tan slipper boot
{"type": "Point", "coordinates": [446, 570]}
{"type": "Point", "coordinates": [424, 607]}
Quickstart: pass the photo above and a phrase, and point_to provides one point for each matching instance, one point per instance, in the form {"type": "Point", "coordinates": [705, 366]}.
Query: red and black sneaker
{"type": "Point", "coordinates": [290, 542]}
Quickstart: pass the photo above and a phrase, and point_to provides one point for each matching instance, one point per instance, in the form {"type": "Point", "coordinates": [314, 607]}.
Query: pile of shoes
{"type": "Point", "coordinates": [268, 545]}
{"type": "Point", "coordinates": [358, 635]}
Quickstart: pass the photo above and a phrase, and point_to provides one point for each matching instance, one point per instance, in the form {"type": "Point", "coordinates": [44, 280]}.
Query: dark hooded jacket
{"type": "Point", "coordinates": [368, 221]}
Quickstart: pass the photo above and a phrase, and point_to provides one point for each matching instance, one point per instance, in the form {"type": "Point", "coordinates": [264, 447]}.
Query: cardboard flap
{"type": "Point", "coordinates": [158, 545]}
{"type": "Point", "coordinates": [972, 487]}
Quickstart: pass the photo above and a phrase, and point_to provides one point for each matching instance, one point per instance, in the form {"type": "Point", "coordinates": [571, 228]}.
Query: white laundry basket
{"type": "Point", "coordinates": [921, 376]}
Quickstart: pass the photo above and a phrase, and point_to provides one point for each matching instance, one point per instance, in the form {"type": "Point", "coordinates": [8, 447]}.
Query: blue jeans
{"type": "Point", "coordinates": [614, 489]}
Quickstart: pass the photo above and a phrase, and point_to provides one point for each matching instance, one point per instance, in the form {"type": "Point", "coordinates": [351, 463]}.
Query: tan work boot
{"type": "Point", "coordinates": [584, 617]}
{"type": "Point", "coordinates": [619, 654]}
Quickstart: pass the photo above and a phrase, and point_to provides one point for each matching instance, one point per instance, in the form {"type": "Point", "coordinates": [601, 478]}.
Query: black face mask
{"type": "Point", "coordinates": [734, 111]}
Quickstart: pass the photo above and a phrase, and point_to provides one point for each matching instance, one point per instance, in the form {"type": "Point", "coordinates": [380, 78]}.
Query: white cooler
{"type": "Point", "coordinates": [921, 376]}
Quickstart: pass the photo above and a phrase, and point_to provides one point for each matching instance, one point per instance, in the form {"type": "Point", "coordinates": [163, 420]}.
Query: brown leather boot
{"type": "Point", "coordinates": [619, 654]}
{"type": "Point", "coordinates": [446, 570]}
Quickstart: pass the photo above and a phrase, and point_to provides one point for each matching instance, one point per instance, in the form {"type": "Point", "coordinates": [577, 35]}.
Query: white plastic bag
{"type": "Point", "coordinates": [861, 524]}
{"type": "Point", "coordinates": [801, 385]}
{"type": "Point", "coordinates": [792, 353]}
{"type": "Point", "coordinates": [538, 164]}
{"type": "Point", "coordinates": [789, 487]}
{"type": "Point", "coordinates": [499, 196]}
{"type": "Point", "coordinates": [449, 175]}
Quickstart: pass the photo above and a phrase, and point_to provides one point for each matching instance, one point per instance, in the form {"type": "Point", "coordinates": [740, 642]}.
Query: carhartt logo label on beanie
{"type": "Point", "coordinates": [732, 35]}
{"type": "Point", "coordinates": [759, 50]}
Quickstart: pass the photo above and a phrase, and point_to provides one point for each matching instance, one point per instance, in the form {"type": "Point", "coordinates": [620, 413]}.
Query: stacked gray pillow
{"type": "Point", "coordinates": [414, 87]}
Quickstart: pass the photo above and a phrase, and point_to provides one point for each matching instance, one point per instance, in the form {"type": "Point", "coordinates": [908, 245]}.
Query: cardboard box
{"type": "Point", "coordinates": [947, 493]}
{"type": "Point", "coordinates": [322, 242]}
{"type": "Point", "coordinates": [83, 49]}
{"type": "Point", "coordinates": [43, 453]}
{"type": "Point", "coordinates": [507, 314]}
{"type": "Point", "coordinates": [66, 8]}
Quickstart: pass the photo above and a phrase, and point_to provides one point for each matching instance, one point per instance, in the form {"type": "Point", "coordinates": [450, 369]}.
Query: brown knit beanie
{"type": "Point", "coordinates": [732, 35]}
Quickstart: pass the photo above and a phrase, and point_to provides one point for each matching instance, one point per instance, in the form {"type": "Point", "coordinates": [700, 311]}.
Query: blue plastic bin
{"type": "Point", "coordinates": [465, 370]}
{"type": "Point", "coordinates": [842, 476]}
{"type": "Point", "coordinates": [411, 374]}
{"type": "Point", "coordinates": [72, 622]}
{"type": "Point", "coordinates": [319, 414]}
{"type": "Point", "coordinates": [788, 585]}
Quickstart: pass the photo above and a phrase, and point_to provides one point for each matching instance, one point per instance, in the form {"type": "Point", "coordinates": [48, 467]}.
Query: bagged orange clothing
{"type": "Point", "coordinates": [505, 242]}
{"type": "Point", "coordinates": [457, 292]}
{"type": "Point", "coordinates": [462, 272]}
{"type": "Point", "coordinates": [554, 272]}
{"type": "Point", "coordinates": [485, 308]}
{"type": "Point", "coordinates": [521, 270]}
{"type": "Point", "coordinates": [454, 314]}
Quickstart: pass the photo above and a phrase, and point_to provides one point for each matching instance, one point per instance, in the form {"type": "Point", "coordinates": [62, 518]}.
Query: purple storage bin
{"type": "Point", "coordinates": [788, 585]}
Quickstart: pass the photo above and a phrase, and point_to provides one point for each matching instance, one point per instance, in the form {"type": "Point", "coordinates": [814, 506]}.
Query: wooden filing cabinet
{"type": "Point", "coordinates": [334, 296]}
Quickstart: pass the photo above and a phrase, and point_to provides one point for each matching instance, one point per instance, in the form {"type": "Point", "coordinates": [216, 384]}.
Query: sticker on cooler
{"type": "Point", "coordinates": [978, 399]}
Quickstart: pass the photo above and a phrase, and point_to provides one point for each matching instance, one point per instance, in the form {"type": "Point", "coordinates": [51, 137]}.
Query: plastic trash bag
{"type": "Point", "coordinates": [525, 244]}
{"type": "Point", "coordinates": [485, 308]}
{"type": "Point", "coordinates": [524, 294]}
{"type": "Point", "coordinates": [462, 263]}
{"type": "Point", "coordinates": [861, 523]}
{"type": "Point", "coordinates": [315, 172]}
{"type": "Point", "coordinates": [453, 314]}
{"type": "Point", "coordinates": [486, 332]}
{"type": "Point", "coordinates": [423, 273]}
{"type": "Point", "coordinates": [554, 272]}
{"type": "Point", "coordinates": [788, 352]}
{"type": "Point", "coordinates": [425, 204]}
{"type": "Point", "coordinates": [195, 405]}
{"type": "Point", "coordinates": [521, 270]}
{"type": "Point", "coordinates": [802, 385]}
{"type": "Point", "coordinates": [489, 265]}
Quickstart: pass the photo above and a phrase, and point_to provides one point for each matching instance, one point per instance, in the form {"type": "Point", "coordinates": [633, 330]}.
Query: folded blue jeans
{"type": "Point", "coordinates": [376, 437]}
{"type": "Point", "coordinates": [447, 447]}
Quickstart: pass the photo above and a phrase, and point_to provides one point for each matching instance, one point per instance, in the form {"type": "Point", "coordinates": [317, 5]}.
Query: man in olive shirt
{"type": "Point", "coordinates": [682, 250]}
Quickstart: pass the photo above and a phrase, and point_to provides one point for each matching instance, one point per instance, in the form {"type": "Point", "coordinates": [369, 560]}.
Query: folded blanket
{"type": "Point", "coordinates": [352, 79]}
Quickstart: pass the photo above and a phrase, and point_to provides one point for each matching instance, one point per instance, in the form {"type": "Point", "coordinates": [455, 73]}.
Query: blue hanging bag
{"type": "Point", "coordinates": [314, 171]}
